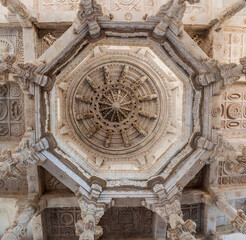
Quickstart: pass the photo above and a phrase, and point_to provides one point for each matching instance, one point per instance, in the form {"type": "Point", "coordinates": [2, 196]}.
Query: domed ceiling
{"type": "Point", "coordinates": [120, 110]}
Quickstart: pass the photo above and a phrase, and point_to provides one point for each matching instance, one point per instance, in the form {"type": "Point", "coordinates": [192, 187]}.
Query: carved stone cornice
{"type": "Point", "coordinates": [225, 74]}
{"type": "Point", "coordinates": [26, 73]}
{"type": "Point", "coordinates": [171, 15]}
{"type": "Point", "coordinates": [88, 12]}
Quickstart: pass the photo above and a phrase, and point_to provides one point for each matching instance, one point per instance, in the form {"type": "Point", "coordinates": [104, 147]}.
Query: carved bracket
{"type": "Point", "coordinates": [225, 74]}
{"type": "Point", "coordinates": [26, 73]}
{"type": "Point", "coordinates": [88, 12]}
{"type": "Point", "coordinates": [171, 15]}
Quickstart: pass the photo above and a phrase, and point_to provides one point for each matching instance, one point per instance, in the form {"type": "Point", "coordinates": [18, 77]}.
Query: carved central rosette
{"type": "Point", "coordinates": [115, 106]}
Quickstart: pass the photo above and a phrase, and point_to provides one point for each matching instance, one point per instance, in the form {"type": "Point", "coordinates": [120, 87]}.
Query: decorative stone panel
{"type": "Point", "coordinates": [229, 111]}
{"type": "Point", "coordinates": [60, 222]}
{"type": "Point", "coordinates": [13, 185]}
{"type": "Point", "coordinates": [119, 108]}
{"type": "Point", "coordinates": [11, 112]}
{"type": "Point", "coordinates": [127, 222]}
{"type": "Point", "coordinates": [58, 5]}
{"type": "Point", "coordinates": [193, 212]}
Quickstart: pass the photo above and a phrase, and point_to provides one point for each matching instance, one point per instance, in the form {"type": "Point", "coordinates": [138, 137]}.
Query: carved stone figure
{"type": "Point", "coordinates": [87, 228]}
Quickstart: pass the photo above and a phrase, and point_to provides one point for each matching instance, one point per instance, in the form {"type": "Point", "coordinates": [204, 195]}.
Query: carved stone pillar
{"type": "Point", "coordinates": [172, 214]}
{"type": "Point", "coordinates": [17, 230]}
{"type": "Point", "coordinates": [237, 217]}
{"type": "Point", "coordinates": [87, 228]}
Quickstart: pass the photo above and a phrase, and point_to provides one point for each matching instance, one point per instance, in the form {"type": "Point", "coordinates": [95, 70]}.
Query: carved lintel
{"type": "Point", "coordinates": [226, 74]}
{"type": "Point", "coordinates": [17, 7]}
{"type": "Point", "coordinates": [171, 15]}
{"type": "Point", "coordinates": [88, 12]}
{"type": "Point", "coordinates": [87, 228]}
{"type": "Point", "coordinates": [19, 227]}
{"type": "Point", "coordinates": [26, 73]}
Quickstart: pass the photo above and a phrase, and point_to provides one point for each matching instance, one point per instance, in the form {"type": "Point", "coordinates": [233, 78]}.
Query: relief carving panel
{"type": "Point", "coordinates": [229, 112]}
{"type": "Point", "coordinates": [58, 5]}
{"type": "Point", "coordinates": [127, 222]}
{"type": "Point", "coordinates": [11, 112]}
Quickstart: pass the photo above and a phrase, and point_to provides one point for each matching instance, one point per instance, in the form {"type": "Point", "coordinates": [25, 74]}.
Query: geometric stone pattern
{"type": "Point", "coordinates": [127, 222]}
{"type": "Point", "coordinates": [234, 44]}
{"type": "Point", "coordinates": [11, 112]}
{"type": "Point", "coordinates": [233, 110]}
{"type": "Point", "coordinates": [13, 185]}
{"type": "Point", "coordinates": [193, 212]}
{"type": "Point", "coordinates": [60, 222]}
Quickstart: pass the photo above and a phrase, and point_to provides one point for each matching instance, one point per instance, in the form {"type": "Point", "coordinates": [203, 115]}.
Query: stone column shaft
{"type": "Point", "coordinates": [19, 226]}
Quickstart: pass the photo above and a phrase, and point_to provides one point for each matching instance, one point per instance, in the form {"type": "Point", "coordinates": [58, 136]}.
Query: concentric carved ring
{"type": "Point", "coordinates": [115, 106]}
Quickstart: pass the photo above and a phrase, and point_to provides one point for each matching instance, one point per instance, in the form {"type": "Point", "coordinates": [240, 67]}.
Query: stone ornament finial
{"type": "Point", "coordinates": [25, 72]}
{"type": "Point", "coordinates": [171, 15]}
{"type": "Point", "coordinates": [87, 228]}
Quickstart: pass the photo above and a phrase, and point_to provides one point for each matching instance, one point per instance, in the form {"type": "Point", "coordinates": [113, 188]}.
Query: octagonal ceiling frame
{"type": "Point", "coordinates": [178, 48]}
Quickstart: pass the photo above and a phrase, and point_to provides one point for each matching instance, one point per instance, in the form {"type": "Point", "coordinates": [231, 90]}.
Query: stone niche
{"type": "Point", "coordinates": [118, 108]}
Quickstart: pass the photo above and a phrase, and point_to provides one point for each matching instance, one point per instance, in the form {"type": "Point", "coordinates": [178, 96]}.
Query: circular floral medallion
{"type": "Point", "coordinates": [115, 107]}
